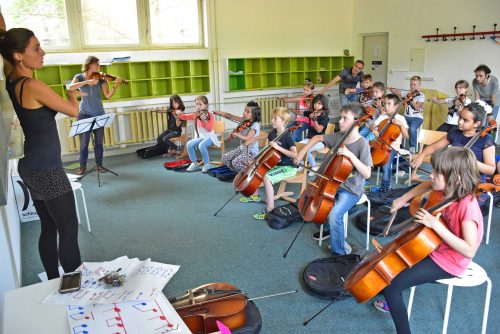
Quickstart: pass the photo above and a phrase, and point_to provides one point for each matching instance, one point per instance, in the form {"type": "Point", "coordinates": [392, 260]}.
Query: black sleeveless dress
{"type": "Point", "coordinates": [41, 167]}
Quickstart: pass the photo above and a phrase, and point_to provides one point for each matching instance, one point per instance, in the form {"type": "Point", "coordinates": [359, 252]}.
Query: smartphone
{"type": "Point", "coordinates": [70, 282]}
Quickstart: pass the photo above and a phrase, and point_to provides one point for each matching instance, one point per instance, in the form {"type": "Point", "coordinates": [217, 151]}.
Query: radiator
{"type": "Point", "coordinates": [267, 104]}
{"type": "Point", "coordinates": [129, 127]}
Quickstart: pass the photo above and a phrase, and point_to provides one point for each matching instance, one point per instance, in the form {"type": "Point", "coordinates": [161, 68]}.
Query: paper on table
{"type": "Point", "coordinates": [144, 280]}
{"type": "Point", "coordinates": [157, 316]}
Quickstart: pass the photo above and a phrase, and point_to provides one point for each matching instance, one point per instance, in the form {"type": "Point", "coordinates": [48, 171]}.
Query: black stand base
{"type": "Point", "coordinates": [98, 173]}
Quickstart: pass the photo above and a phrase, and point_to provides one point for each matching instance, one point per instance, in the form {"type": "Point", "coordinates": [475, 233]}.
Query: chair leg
{"type": "Point", "coordinates": [486, 305]}
{"type": "Point", "coordinates": [85, 208]}
{"type": "Point", "coordinates": [321, 234]}
{"type": "Point", "coordinates": [346, 218]}
{"type": "Point", "coordinates": [378, 175]}
{"type": "Point", "coordinates": [490, 211]}
{"type": "Point", "coordinates": [76, 207]}
{"type": "Point", "coordinates": [410, 301]}
{"type": "Point", "coordinates": [368, 213]}
{"type": "Point", "coordinates": [447, 309]}
{"type": "Point", "coordinates": [397, 168]}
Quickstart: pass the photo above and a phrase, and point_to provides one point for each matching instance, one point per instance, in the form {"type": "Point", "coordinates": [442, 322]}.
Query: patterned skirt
{"type": "Point", "coordinates": [45, 184]}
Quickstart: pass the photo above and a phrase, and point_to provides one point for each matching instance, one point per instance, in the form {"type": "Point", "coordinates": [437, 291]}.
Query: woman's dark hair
{"type": "Point", "coordinates": [477, 110]}
{"type": "Point", "coordinates": [176, 98]}
{"type": "Point", "coordinates": [323, 99]}
{"type": "Point", "coordinates": [256, 112]}
{"type": "Point", "coordinates": [89, 61]}
{"type": "Point", "coordinates": [14, 40]}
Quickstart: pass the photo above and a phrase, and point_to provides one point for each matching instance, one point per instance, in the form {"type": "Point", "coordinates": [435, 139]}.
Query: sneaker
{"type": "Point", "coordinates": [347, 248]}
{"type": "Point", "coordinates": [193, 167]}
{"type": "Point", "coordinates": [412, 150]}
{"type": "Point", "coordinates": [81, 171]}
{"type": "Point", "coordinates": [326, 235]}
{"type": "Point", "coordinates": [252, 198]}
{"type": "Point", "coordinates": [300, 169]}
{"type": "Point", "coordinates": [261, 215]}
{"type": "Point", "coordinates": [381, 305]}
{"type": "Point", "coordinates": [311, 173]}
{"type": "Point", "coordinates": [207, 167]}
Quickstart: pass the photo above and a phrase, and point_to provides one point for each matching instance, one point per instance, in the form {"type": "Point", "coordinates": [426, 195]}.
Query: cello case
{"type": "Point", "coordinates": [253, 322]}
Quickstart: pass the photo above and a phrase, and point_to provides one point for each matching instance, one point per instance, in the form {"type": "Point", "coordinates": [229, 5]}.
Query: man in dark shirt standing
{"type": "Point", "coordinates": [349, 78]}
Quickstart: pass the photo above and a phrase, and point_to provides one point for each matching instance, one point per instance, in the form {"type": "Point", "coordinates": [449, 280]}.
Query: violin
{"type": "Point", "coordinates": [377, 270]}
{"type": "Point", "coordinates": [242, 126]}
{"type": "Point", "coordinates": [410, 96]}
{"type": "Point", "coordinates": [380, 147]}
{"type": "Point", "coordinates": [202, 306]}
{"type": "Point", "coordinates": [249, 179]}
{"type": "Point", "coordinates": [106, 77]}
{"type": "Point", "coordinates": [317, 199]}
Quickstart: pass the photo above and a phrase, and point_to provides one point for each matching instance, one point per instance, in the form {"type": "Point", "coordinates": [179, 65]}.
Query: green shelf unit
{"type": "Point", "coordinates": [180, 68]}
{"type": "Point", "coordinates": [199, 68]}
{"type": "Point", "coordinates": [252, 66]}
{"type": "Point", "coordinates": [140, 70]}
{"type": "Point", "coordinates": [268, 65]}
{"type": "Point", "coordinates": [161, 69]}
{"type": "Point", "coordinates": [283, 72]}
{"type": "Point", "coordinates": [162, 87]}
{"type": "Point", "coordinates": [200, 85]}
{"type": "Point", "coordinates": [146, 78]}
{"type": "Point", "coordinates": [181, 85]}
{"type": "Point", "coordinates": [237, 82]}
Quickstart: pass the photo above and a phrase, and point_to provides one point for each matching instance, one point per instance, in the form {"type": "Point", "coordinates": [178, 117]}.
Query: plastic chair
{"type": "Point", "coordinates": [363, 199]}
{"type": "Point", "coordinates": [474, 275]}
{"type": "Point", "coordinates": [405, 153]}
{"type": "Point", "coordinates": [78, 186]}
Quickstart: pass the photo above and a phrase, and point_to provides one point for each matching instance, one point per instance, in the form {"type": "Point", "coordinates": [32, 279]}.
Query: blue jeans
{"type": "Point", "coordinates": [413, 124]}
{"type": "Point", "coordinates": [315, 147]}
{"type": "Point", "coordinates": [300, 132]}
{"type": "Point", "coordinates": [344, 200]}
{"type": "Point", "coordinates": [84, 144]}
{"type": "Point", "coordinates": [202, 144]}
{"type": "Point", "coordinates": [495, 112]}
{"type": "Point", "coordinates": [346, 99]}
{"type": "Point", "coordinates": [387, 169]}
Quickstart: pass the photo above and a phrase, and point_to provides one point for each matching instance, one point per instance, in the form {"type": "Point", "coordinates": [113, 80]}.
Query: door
{"type": "Point", "coordinates": [375, 56]}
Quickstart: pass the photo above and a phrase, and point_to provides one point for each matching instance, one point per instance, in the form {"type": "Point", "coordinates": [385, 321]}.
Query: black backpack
{"type": "Point", "coordinates": [282, 216]}
{"type": "Point", "coordinates": [324, 278]}
{"type": "Point", "coordinates": [151, 151]}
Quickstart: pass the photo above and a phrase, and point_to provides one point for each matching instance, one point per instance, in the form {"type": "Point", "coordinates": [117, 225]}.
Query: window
{"type": "Point", "coordinates": [175, 21]}
{"type": "Point", "coordinates": [47, 18]}
{"type": "Point", "coordinates": [110, 22]}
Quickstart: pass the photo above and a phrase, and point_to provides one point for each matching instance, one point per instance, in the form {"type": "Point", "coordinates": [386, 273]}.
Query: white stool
{"type": "Point", "coordinates": [362, 200]}
{"type": "Point", "coordinates": [403, 153]}
{"type": "Point", "coordinates": [474, 275]}
{"type": "Point", "coordinates": [78, 186]}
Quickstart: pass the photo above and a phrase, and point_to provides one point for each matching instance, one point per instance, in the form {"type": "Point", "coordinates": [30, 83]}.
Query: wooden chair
{"type": "Point", "coordinates": [299, 178]}
{"type": "Point", "coordinates": [219, 127]}
{"type": "Point", "coordinates": [182, 139]}
{"type": "Point", "coordinates": [329, 130]}
{"type": "Point", "coordinates": [427, 137]}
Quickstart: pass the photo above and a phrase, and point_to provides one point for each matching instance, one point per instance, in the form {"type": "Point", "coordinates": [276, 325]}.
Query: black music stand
{"type": "Point", "coordinates": [90, 124]}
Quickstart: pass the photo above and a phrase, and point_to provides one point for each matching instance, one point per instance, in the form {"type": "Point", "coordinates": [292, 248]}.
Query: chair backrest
{"type": "Point", "coordinates": [329, 129]}
{"type": "Point", "coordinates": [219, 127]}
{"type": "Point", "coordinates": [263, 142]}
{"type": "Point", "coordinates": [427, 137]}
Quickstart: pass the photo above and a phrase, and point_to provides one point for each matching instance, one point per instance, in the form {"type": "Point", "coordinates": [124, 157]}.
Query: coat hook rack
{"type": "Point", "coordinates": [462, 36]}
{"type": "Point", "coordinates": [473, 32]}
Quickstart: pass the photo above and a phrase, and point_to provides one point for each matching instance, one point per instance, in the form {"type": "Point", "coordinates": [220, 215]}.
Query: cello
{"type": "Point", "coordinates": [318, 198]}
{"type": "Point", "coordinates": [380, 147]}
{"type": "Point", "coordinates": [249, 179]}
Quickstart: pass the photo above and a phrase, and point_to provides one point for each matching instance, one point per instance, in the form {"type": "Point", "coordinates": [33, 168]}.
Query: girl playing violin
{"type": "Point", "coordinates": [455, 105]}
{"type": "Point", "coordinates": [355, 148]}
{"type": "Point", "coordinates": [318, 120]}
{"type": "Point", "coordinates": [285, 168]}
{"type": "Point", "coordinates": [238, 159]}
{"type": "Point", "coordinates": [470, 120]}
{"type": "Point", "coordinates": [376, 102]}
{"type": "Point", "coordinates": [305, 103]}
{"type": "Point", "coordinates": [91, 106]}
{"type": "Point", "coordinates": [205, 136]}
{"type": "Point", "coordinates": [174, 126]}
{"type": "Point", "coordinates": [455, 173]}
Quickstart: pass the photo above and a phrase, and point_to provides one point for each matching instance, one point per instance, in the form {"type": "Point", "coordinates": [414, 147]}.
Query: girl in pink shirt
{"type": "Point", "coordinates": [455, 173]}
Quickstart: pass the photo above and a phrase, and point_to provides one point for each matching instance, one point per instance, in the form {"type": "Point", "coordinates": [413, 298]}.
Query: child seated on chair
{"type": "Point", "coordinates": [376, 102]}
{"type": "Point", "coordinates": [357, 150]}
{"type": "Point", "coordinates": [391, 107]}
{"type": "Point", "coordinates": [285, 168]}
{"type": "Point", "coordinates": [238, 158]}
{"type": "Point", "coordinates": [455, 173]}
{"type": "Point", "coordinates": [305, 104]}
{"type": "Point", "coordinates": [174, 126]}
{"type": "Point", "coordinates": [204, 136]}
{"type": "Point", "coordinates": [455, 105]}
{"type": "Point", "coordinates": [318, 120]}
{"type": "Point", "coordinates": [364, 92]}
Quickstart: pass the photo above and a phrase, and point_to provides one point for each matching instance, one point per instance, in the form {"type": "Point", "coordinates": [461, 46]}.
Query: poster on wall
{"type": "Point", "coordinates": [24, 202]}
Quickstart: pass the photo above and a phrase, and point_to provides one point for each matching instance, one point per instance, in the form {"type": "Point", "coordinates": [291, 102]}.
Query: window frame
{"type": "Point", "coordinates": [77, 38]}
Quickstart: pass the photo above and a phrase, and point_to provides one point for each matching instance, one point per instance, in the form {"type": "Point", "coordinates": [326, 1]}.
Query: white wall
{"type": "Point", "coordinates": [447, 61]}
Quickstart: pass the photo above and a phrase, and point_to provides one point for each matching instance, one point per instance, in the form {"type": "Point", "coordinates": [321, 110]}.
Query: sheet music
{"type": "Point", "coordinates": [92, 123]}
{"type": "Point", "coordinates": [144, 281]}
